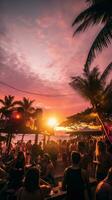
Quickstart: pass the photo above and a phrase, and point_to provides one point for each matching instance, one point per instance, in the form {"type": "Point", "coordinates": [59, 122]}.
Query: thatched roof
{"type": "Point", "coordinates": [85, 116]}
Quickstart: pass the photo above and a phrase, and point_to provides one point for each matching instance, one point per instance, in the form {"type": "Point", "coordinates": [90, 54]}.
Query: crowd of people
{"type": "Point", "coordinates": [27, 171]}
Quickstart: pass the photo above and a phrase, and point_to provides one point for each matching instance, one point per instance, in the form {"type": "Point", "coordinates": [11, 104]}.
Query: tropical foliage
{"type": "Point", "coordinates": [8, 104]}
{"type": "Point", "coordinates": [18, 114]}
{"type": "Point", "coordinates": [98, 12]}
{"type": "Point", "coordinates": [26, 107]}
{"type": "Point", "coordinates": [93, 86]}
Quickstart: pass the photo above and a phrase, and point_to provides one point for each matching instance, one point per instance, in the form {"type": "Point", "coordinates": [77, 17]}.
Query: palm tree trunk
{"type": "Point", "coordinates": [36, 138]}
{"type": "Point", "coordinates": [44, 140]}
{"type": "Point", "coordinates": [22, 138]}
{"type": "Point", "coordinates": [9, 138]}
{"type": "Point", "coordinates": [102, 124]}
{"type": "Point", "coordinates": [100, 118]}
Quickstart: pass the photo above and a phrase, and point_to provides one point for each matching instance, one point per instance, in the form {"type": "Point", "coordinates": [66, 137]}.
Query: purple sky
{"type": "Point", "coordinates": [39, 54]}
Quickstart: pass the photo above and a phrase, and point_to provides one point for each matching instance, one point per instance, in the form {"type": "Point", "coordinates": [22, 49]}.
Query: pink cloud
{"type": "Point", "coordinates": [44, 55]}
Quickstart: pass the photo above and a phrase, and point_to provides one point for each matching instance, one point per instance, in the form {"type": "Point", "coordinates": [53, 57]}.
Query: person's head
{"type": "Point", "coordinates": [100, 148]}
{"type": "Point", "coordinates": [46, 157]}
{"type": "Point", "coordinates": [81, 147]}
{"type": "Point", "coordinates": [75, 157]}
{"type": "Point", "coordinates": [32, 179]}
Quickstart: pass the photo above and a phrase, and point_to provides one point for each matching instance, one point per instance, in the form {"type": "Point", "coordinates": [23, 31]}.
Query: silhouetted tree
{"type": "Point", "coordinates": [93, 86]}
{"type": "Point", "coordinates": [98, 12]}
{"type": "Point", "coordinates": [8, 105]}
{"type": "Point", "coordinates": [26, 107]}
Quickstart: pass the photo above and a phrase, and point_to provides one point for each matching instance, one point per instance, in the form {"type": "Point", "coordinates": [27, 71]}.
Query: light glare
{"type": "Point", "coordinates": [52, 122]}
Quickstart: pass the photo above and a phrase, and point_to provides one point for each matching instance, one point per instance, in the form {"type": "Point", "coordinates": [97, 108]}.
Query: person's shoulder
{"type": "Point", "coordinates": [50, 165]}
{"type": "Point", "coordinates": [103, 186]}
{"type": "Point", "coordinates": [67, 169]}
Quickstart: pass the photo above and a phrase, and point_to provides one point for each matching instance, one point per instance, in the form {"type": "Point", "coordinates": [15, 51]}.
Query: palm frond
{"type": "Point", "coordinates": [80, 85]}
{"type": "Point", "coordinates": [107, 97]}
{"type": "Point", "coordinates": [20, 109]}
{"type": "Point", "coordinates": [31, 102]}
{"type": "Point", "coordinates": [14, 103]}
{"type": "Point", "coordinates": [91, 1]}
{"type": "Point", "coordinates": [26, 101]}
{"type": "Point", "coordinates": [92, 15]}
{"type": "Point", "coordinates": [31, 109]}
{"type": "Point", "coordinates": [26, 105]}
{"type": "Point", "coordinates": [20, 103]}
{"type": "Point", "coordinates": [2, 101]}
{"type": "Point", "coordinates": [106, 72]}
{"type": "Point", "coordinates": [9, 97]}
{"type": "Point", "coordinates": [86, 71]}
{"type": "Point", "coordinates": [83, 26]}
{"type": "Point", "coordinates": [77, 82]}
{"type": "Point", "coordinates": [95, 74]}
{"type": "Point", "coordinates": [102, 40]}
{"type": "Point", "coordinates": [108, 88]}
{"type": "Point", "coordinates": [94, 1]}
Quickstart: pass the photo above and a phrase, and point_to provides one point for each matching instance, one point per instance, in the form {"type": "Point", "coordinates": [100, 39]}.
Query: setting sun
{"type": "Point", "coordinates": [52, 122]}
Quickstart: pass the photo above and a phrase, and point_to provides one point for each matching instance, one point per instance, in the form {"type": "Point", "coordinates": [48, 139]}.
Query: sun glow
{"type": "Point", "coordinates": [52, 122]}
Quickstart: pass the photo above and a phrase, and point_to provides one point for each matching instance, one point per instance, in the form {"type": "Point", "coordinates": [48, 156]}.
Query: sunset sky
{"type": "Point", "coordinates": [39, 54]}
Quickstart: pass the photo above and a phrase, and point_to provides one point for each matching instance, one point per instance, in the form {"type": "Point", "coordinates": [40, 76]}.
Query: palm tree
{"type": "Point", "coordinates": [107, 99]}
{"type": "Point", "coordinates": [8, 105]}
{"type": "Point", "coordinates": [6, 110]}
{"type": "Point", "coordinates": [25, 107]}
{"type": "Point", "coordinates": [94, 88]}
{"type": "Point", "coordinates": [98, 12]}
